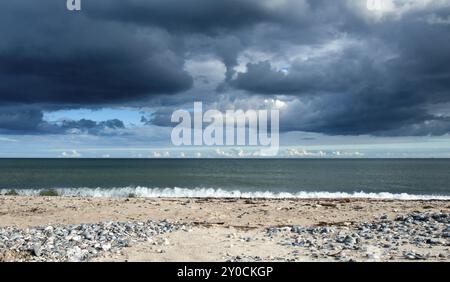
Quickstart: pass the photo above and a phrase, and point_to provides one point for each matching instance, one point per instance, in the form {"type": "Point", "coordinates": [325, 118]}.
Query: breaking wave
{"type": "Point", "coordinates": [147, 192]}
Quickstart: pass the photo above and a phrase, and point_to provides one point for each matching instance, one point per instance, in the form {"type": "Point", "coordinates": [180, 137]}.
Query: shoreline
{"type": "Point", "coordinates": [214, 193]}
{"type": "Point", "coordinates": [233, 229]}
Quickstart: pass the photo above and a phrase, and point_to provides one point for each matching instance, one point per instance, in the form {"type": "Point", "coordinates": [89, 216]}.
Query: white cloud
{"type": "Point", "coordinates": [159, 154]}
{"type": "Point", "coordinates": [303, 153]}
{"type": "Point", "coordinates": [293, 152]}
{"type": "Point", "coordinates": [345, 154]}
{"type": "Point", "coordinates": [207, 71]}
{"type": "Point", "coordinates": [435, 19]}
{"type": "Point", "coordinates": [223, 153]}
{"type": "Point", "coordinates": [380, 10]}
{"type": "Point", "coordinates": [71, 154]}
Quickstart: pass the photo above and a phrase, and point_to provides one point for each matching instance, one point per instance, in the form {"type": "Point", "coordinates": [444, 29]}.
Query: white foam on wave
{"type": "Point", "coordinates": [147, 192]}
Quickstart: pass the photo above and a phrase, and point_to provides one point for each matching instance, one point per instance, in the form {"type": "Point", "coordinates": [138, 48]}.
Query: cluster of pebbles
{"type": "Point", "coordinates": [416, 236]}
{"type": "Point", "coordinates": [77, 242]}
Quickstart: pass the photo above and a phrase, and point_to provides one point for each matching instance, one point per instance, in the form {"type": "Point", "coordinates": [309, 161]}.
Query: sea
{"type": "Point", "coordinates": [406, 179]}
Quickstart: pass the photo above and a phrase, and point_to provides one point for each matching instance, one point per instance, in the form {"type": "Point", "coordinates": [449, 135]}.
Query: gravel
{"type": "Point", "coordinates": [414, 236]}
{"type": "Point", "coordinates": [77, 242]}
{"type": "Point", "coordinates": [377, 240]}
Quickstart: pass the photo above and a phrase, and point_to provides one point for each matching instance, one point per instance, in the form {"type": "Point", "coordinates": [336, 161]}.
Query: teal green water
{"type": "Point", "coordinates": [412, 176]}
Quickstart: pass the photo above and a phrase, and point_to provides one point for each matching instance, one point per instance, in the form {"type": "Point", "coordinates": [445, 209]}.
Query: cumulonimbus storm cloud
{"type": "Point", "coordinates": [339, 67]}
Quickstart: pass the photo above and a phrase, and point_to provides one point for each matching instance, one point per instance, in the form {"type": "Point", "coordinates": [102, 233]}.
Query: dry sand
{"type": "Point", "coordinates": [221, 229]}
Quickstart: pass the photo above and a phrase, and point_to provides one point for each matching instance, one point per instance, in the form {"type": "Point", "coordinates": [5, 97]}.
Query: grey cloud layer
{"type": "Point", "coordinates": [30, 120]}
{"type": "Point", "coordinates": [49, 55]}
{"type": "Point", "coordinates": [394, 68]}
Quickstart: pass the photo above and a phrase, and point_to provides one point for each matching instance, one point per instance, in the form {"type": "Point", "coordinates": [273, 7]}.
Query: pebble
{"type": "Point", "coordinates": [80, 242]}
{"type": "Point", "coordinates": [413, 256]}
{"type": "Point", "coordinates": [375, 241]}
{"type": "Point", "coordinates": [349, 240]}
{"type": "Point", "coordinates": [106, 247]}
{"type": "Point", "coordinates": [382, 239]}
{"type": "Point", "coordinates": [37, 250]}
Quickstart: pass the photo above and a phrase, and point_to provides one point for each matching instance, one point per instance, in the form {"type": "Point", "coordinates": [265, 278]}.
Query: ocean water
{"type": "Point", "coordinates": [271, 178]}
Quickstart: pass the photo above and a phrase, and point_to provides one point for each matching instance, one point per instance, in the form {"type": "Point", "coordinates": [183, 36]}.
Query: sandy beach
{"type": "Point", "coordinates": [241, 229]}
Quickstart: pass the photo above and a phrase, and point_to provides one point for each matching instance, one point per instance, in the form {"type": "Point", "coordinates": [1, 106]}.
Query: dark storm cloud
{"type": "Point", "coordinates": [362, 113]}
{"type": "Point", "coordinates": [114, 51]}
{"type": "Point", "coordinates": [161, 117]}
{"type": "Point", "coordinates": [20, 118]}
{"type": "Point", "coordinates": [90, 125]}
{"type": "Point", "coordinates": [349, 70]}
{"type": "Point", "coordinates": [222, 27]}
{"type": "Point", "coordinates": [184, 16]}
{"type": "Point", "coordinates": [118, 52]}
{"type": "Point", "coordinates": [50, 55]}
{"type": "Point", "coordinates": [214, 17]}
{"type": "Point", "coordinates": [356, 92]}
{"type": "Point", "coordinates": [30, 120]}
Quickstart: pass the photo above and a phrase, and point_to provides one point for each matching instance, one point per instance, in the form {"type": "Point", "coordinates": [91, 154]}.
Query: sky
{"type": "Point", "coordinates": [351, 79]}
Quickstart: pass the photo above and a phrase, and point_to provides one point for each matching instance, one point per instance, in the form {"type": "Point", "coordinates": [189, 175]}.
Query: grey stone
{"type": "Point", "coordinates": [37, 250]}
